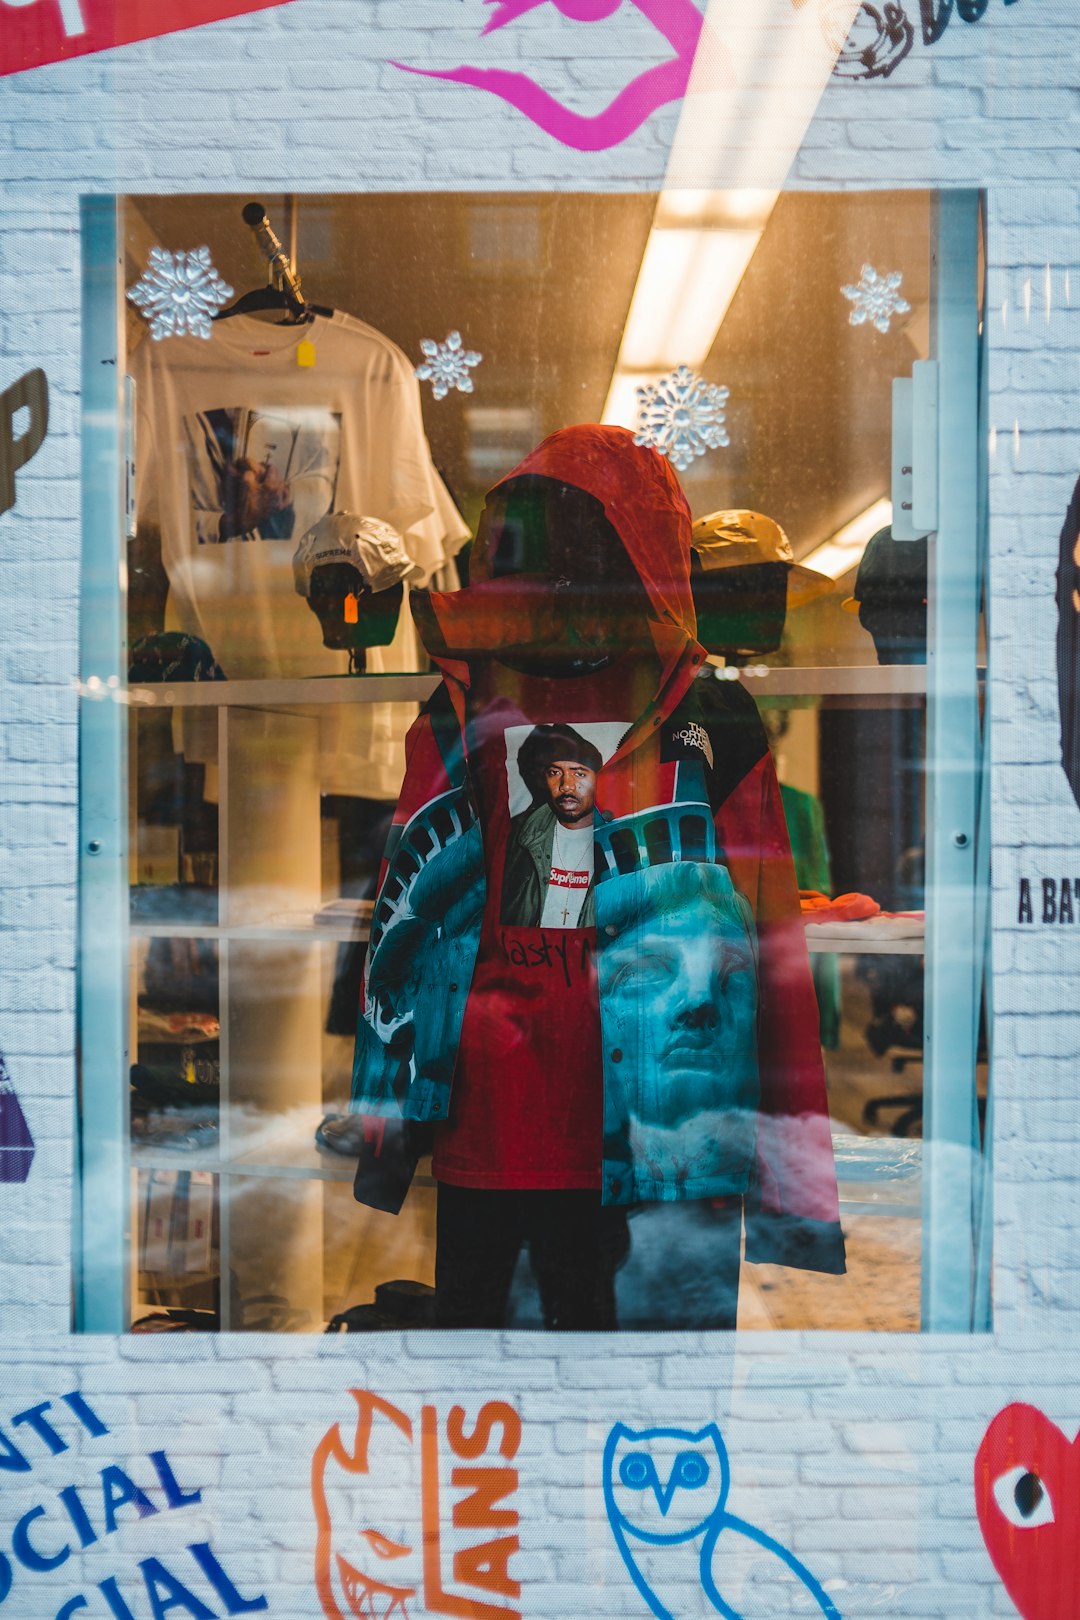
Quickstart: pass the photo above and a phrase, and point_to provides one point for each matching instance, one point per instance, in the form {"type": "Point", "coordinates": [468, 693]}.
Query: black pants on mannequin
{"type": "Point", "coordinates": [576, 1246]}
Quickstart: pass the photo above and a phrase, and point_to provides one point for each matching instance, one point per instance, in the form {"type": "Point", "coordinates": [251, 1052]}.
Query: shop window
{"type": "Point", "coordinates": [560, 1004]}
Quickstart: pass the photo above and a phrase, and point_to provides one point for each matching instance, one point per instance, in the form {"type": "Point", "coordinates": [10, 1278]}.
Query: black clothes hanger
{"type": "Point", "coordinates": [274, 298]}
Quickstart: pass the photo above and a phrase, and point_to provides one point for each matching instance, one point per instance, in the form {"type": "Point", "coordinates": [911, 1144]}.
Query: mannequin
{"type": "Point", "coordinates": [578, 1059]}
{"type": "Point", "coordinates": [350, 569]}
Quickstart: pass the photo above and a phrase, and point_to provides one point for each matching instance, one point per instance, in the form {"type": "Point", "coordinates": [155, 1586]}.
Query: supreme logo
{"type": "Point", "coordinates": [563, 878]}
{"type": "Point", "coordinates": [34, 32]}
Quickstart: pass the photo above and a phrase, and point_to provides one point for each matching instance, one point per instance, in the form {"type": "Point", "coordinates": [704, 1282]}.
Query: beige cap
{"type": "Point", "coordinates": [740, 538]}
{"type": "Point", "coordinates": [372, 546]}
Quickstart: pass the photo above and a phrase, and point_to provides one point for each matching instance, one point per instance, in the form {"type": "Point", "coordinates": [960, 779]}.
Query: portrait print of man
{"type": "Point", "coordinates": [548, 878]}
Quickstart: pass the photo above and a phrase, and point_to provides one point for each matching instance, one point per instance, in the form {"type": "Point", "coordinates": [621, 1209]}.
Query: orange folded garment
{"type": "Point", "coordinates": [818, 908]}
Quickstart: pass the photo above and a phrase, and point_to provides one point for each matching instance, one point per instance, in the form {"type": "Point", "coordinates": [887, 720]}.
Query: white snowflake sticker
{"type": "Point", "coordinates": [682, 416]}
{"type": "Point", "coordinates": [180, 293]}
{"type": "Point", "coordinates": [876, 298]}
{"type": "Point", "coordinates": [447, 365]}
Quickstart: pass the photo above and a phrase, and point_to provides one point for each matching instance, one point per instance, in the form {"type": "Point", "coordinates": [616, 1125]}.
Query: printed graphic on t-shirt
{"type": "Point", "coordinates": [261, 474]}
{"type": "Point", "coordinates": [553, 774]}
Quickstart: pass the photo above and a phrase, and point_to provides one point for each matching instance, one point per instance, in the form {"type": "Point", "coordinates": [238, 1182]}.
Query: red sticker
{"type": "Point", "coordinates": [1027, 1492]}
{"type": "Point", "coordinates": [33, 32]}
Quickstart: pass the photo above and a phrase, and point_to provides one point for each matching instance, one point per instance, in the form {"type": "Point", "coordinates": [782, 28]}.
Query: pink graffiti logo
{"type": "Point", "coordinates": [679, 21]}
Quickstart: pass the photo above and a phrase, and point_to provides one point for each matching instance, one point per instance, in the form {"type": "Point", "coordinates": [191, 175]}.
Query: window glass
{"type": "Point", "coordinates": [607, 987]}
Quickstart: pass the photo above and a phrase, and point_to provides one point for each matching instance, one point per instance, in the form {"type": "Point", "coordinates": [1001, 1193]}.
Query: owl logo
{"type": "Point", "coordinates": [1027, 1489]}
{"type": "Point", "coordinates": [666, 1492]}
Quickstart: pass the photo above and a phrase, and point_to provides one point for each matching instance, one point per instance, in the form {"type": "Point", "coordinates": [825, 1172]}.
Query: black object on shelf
{"type": "Point", "coordinates": [399, 1304]}
{"type": "Point", "coordinates": [890, 595]}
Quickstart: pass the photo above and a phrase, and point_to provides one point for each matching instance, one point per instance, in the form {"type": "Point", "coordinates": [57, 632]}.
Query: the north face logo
{"type": "Point", "coordinates": [694, 736]}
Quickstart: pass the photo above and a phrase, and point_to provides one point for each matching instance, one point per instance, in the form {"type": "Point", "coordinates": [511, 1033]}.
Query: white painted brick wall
{"type": "Point", "coordinates": [856, 1452]}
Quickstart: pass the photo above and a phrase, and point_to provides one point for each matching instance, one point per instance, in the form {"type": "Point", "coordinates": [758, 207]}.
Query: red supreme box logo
{"type": "Point", "coordinates": [33, 32]}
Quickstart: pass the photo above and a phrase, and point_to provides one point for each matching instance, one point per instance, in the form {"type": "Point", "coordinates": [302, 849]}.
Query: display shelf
{"type": "Point", "coordinates": [274, 1154]}
{"type": "Point", "coordinates": [834, 680]}
{"type": "Point", "coordinates": [273, 1175]}
{"type": "Point", "coordinates": [306, 695]}
{"type": "Point", "coordinates": [156, 1158]}
{"type": "Point", "coordinates": [870, 944]}
{"type": "Point", "coordinates": [831, 680]}
{"type": "Point", "coordinates": [283, 933]}
{"type": "Point", "coordinates": [826, 680]}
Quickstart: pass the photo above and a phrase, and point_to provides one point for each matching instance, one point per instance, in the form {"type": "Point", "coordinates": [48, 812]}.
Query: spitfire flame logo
{"type": "Point", "coordinates": [400, 1534]}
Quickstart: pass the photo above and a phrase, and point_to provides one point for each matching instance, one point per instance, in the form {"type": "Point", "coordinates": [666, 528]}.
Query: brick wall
{"type": "Point", "coordinates": [856, 1452]}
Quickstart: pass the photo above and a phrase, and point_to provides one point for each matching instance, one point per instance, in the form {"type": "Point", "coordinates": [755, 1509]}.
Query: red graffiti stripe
{"type": "Point", "coordinates": [34, 32]}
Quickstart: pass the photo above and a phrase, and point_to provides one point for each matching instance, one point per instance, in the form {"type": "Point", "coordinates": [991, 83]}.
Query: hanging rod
{"type": "Point", "coordinates": [285, 277]}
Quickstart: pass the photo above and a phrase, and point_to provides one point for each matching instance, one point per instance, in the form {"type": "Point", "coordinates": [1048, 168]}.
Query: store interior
{"type": "Point", "coordinates": [242, 1002]}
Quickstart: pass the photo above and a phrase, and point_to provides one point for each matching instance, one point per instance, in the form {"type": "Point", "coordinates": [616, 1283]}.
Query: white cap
{"type": "Point", "coordinates": [371, 545]}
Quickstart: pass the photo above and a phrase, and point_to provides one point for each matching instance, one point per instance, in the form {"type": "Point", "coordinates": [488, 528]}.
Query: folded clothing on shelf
{"type": "Point", "coordinates": [855, 916]}
{"type": "Point", "coordinates": [817, 908]}
{"type": "Point", "coordinates": [176, 1130]}
{"type": "Point", "coordinates": [187, 1028]}
{"type": "Point", "coordinates": [176, 1077]}
{"type": "Point", "coordinates": [181, 975]}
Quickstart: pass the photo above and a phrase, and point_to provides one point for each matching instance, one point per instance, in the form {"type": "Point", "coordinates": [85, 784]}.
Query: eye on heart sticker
{"type": "Point", "coordinates": [1027, 1492]}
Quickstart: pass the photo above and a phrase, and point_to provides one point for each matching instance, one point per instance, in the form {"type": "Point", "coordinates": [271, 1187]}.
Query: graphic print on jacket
{"type": "Point", "coordinates": [552, 773]}
{"type": "Point", "coordinates": [677, 956]}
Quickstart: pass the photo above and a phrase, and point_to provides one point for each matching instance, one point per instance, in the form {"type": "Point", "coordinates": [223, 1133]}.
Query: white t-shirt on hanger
{"type": "Point", "coordinates": [239, 451]}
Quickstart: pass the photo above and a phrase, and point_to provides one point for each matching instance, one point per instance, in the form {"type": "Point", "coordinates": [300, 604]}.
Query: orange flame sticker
{"type": "Point", "coordinates": [446, 1525]}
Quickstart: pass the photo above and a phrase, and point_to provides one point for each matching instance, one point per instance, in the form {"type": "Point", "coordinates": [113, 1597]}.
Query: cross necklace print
{"type": "Point", "coordinates": [558, 861]}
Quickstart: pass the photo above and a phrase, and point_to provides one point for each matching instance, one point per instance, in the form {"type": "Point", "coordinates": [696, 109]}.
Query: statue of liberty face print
{"type": "Point", "coordinates": [680, 23]}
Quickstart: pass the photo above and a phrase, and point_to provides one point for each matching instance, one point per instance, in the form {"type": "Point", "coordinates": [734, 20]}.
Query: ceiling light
{"type": "Point", "coordinates": [685, 285]}
{"type": "Point", "coordinates": [621, 409]}
{"type": "Point", "coordinates": [842, 551]}
{"type": "Point", "coordinates": [714, 210]}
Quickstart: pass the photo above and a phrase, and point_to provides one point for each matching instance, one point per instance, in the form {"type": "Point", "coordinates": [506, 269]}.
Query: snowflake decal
{"type": "Point", "coordinates": [876, 298]}
{"type": "Point", "coordinates": [180, 293]}
{"type": "Point", "coordinates": [447, 365]}
{"type": "Point", "coordinates": [682, 416]}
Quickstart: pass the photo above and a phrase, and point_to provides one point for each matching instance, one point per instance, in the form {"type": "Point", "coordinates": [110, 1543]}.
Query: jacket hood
{"type": "Point", "coordinates": [642, 500]}
{"type": "Point", "coordinates": [645, 505]}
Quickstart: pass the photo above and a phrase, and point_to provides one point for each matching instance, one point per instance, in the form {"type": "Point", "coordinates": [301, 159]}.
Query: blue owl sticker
{"type": "Point", "coordinates": [666, 1492]}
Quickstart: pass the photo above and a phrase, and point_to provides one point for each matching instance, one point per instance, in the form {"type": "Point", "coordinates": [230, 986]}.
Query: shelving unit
{"type": "Point", "coordinates": [271, 1178]}
{"type": "Point", "coordinates": [275, 966]}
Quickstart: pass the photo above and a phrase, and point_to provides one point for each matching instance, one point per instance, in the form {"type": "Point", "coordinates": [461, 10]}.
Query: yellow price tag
{"type": "Point", "coordinates": [305, 354]}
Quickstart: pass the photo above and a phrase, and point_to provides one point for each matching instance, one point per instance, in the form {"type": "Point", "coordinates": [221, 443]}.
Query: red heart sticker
{"type": "Point", "coordinates": [1027, 1492]}
{"type": "Point", "coordinates": [34, 32]}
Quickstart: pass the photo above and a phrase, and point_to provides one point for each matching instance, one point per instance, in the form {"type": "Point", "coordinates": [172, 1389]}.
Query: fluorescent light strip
{"type": "Point", "coordinates": [684, 289]}
{"type": "Point", "coordinates": [690, 272]}
{"type": "Point", "coordinates": [843, 551]}
{"type": "Point", "coordinates": [757, 81]}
